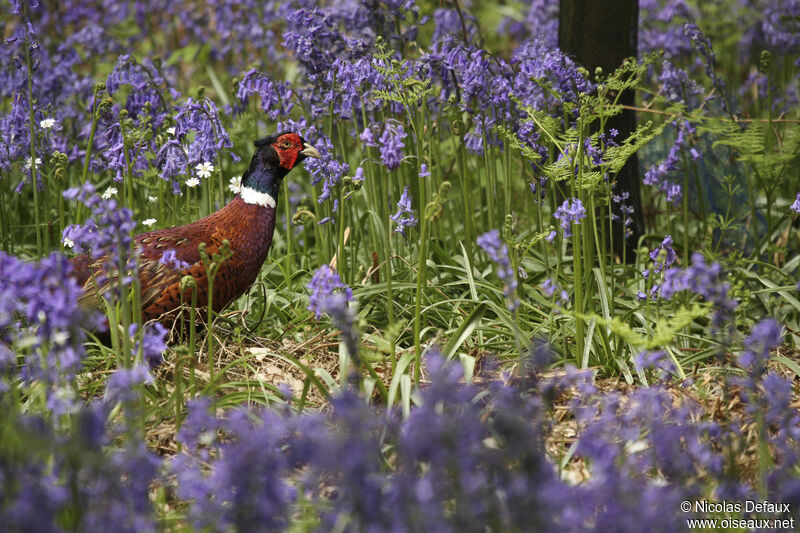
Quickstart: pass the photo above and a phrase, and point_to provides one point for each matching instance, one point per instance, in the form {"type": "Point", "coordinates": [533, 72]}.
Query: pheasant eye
{"type": "Point", "coordinates": [286, 144]}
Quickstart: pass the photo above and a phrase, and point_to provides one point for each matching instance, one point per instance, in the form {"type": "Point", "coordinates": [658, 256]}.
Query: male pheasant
{"type": "Point", "coordinates": [247, 222]}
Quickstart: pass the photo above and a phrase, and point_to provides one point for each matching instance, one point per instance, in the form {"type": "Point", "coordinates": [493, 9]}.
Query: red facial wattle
{"type": "Point", "coordinates": [288, 147]}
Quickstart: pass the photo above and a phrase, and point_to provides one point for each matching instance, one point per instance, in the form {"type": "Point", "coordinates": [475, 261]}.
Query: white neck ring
{"type": "Point", "coordinates": [252, 196]}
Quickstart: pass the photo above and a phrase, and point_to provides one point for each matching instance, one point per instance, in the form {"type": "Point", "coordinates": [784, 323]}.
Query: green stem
{"type": "Point", "coordinates": [31, 119]}
{"type": "Point", "coordinates": [465, 196]}
{"type": "Point", "coordinates": [90, 143]}
{"type": "Point", "coordinates": [388, 273]}
{"type": "Point", "coordinates": [421, 266]}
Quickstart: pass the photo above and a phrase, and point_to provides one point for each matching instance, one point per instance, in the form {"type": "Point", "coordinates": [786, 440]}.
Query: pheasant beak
{"type": "Point", "coordinates": [310, 151]}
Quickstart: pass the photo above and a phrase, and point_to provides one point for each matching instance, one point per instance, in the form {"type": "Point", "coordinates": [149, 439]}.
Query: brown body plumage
{"type": "Point", "coordinates": [247, 223]}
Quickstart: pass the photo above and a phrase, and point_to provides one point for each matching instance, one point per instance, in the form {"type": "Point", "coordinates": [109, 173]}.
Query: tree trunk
{"type": "Point", "coordinates": [603, 33]}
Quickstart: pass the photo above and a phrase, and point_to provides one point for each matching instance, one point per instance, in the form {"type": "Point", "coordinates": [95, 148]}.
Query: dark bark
{"type": "Point", "coordinates": [603, 33]}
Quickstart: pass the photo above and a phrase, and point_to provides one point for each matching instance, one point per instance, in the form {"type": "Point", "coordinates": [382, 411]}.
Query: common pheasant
{"type": "Point", "coordinates": [247, 222]}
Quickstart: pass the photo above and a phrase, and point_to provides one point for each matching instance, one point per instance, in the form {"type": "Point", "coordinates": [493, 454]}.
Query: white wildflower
{"type": "Point", "coordinates": [28, 163]}
{"type": "Point", "coordinates": [171, 131]}
{"type": "Point", "coordinates": [47, 123]}
{"type": "Point", "coordinates": [148, 222]}
{"type": "Point", "coordinates": [235, 184]}
{"type": "Point", "coordinates": [204, 169]}
{"type": "Point", "coordinates": [69, 243]}
{"type": "Point", "coordinates": [152, 199]}
{"type": "Point", "coordinates": [60, 338]}
{"type": "Point", "coordinates": [192, 182]}
{"type": "Point", "coordinates": [109, 193]}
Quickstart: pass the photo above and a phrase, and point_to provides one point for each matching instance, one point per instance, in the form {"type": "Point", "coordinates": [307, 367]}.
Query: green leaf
{"type": "Point", "coordinates": [464, 330]}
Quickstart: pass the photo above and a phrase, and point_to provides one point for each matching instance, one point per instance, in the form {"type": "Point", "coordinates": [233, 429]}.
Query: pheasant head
{"type": "Point", "coordinates": [274, 157]}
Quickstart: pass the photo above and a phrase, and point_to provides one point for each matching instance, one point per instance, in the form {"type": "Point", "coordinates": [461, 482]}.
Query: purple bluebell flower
{"type": "Point", "coordinates": [449, 22]}
{"type": "Point", "coordinates": [703, 45]}
{"type": "Point", "coordinates": [18, 6]}
{"type": "Point", "coordinates": [330, 296]}
{"type": "Point", "coordinates": [656, 360]}
{"type": "Point", "coordinates": [40, 318]}
{"type": "Point", "coordinates": [404, 217]}
{"type": "Point", "coordinates": [765, 336]}
{"type": "Point", "coordinates": [423, 171]}
{"type": "Point", "coordinates": [248, 486]}
{"type": "Point", "coordinates": [570, 212]}
{"type": "Point", "coordinates": [198, 126]}
{"type": "Point", "coordinates": [497, 251]}
{"type": "Point", "coordinates": [153, 343]}
{"type": "Point", "coordinates": [677, 86]}
{"type": "Point", "coordinates": [106, 232]}
{"type": "Point", "coordinates": [541, 21]}
{"type": "Point", "coordinates": [662, 261]}
{"type": "Point", "coordinates": [657, 174]}
{"type": "Point", "coordinates": [276, 97]}
{"type": "Point", "coordinates": [549, 287]}
{"type": "Point", "coordinates": [368, 137]}
{"type": "Point", "coordinates": [391, 145]}
{"type": "Point", "coordinates": [625, 209]}
{"type": "Point", "coordinates": [121, 385]}
{"type": "Point", "coordinates": [796, 204]}
{"type": "Point", "coordinates": [324, 283]}
{"type": "Point", "coordinates": [704, 280]}
{"type": "Point", "coordinates": [170, 259]}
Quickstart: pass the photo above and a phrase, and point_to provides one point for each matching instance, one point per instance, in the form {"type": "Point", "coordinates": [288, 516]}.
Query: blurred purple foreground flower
{"type": "Point", "coordinates": [498, 253]}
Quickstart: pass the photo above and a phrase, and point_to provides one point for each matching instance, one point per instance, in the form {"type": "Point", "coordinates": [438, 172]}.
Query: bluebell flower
{"type": "Point", "coordinates": [404, 217]}
{"type": "Point", "coordinates": [276, 97]}
{"type": "Point", "coordinates": [170, 259]}
{"type": "Point", "coordinates": [497, 251]}
{"type": "Point", "coordinates": [677, 86]}
{"type": "Point", "coordinates": [332, 297]}
{"type": "Point", "coordinates": [657, 174]}
{"type": "Point", "coordinates": [657, 360]}
{"type": "Point", "coordinates": [570, 212]}
{"type": "Point", "coordinates": [324, 283]}
{"type": "Point", "coordinates": [391, 145]}
{"type": "Point", "coordinates": [764, 336]}
{"type": "Point", "coordinates": [153, 343]}
{"type": "Point", "coordinates": [121, 385]}
{"type": "Point", "coordinates": [796, 204]}
{"type": "Point", "coordinates": [704, 280]}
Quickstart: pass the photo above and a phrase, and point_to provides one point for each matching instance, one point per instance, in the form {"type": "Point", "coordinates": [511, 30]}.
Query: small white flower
{"type": "Point", "coordinates": [204, 169]}
{"type": "Point", "coordinates": [171, 131]}
{"type": "Point", "coordinates": [28, 163]}
{"type": "Point", "coordinates": [152, 199]}
{"type": "Point", "coordinates": [235, 184]}
{"type": "Point", "coordinates": [637, 446]}
{"type": "Point", "coordinates": [47, 123]}
{"type": "Point", "coordinates": [148, 222]}
{"type": "Point", "coordinates": [571, 477]}
{"type": "Point", "coordinates": [192, 182]}
{"type": "Point", "coordinates": [69, 243]}
{"type": "Point", "coordinates": [111, 191]}
{"type": "Point", "coordinates": [60, 338]}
